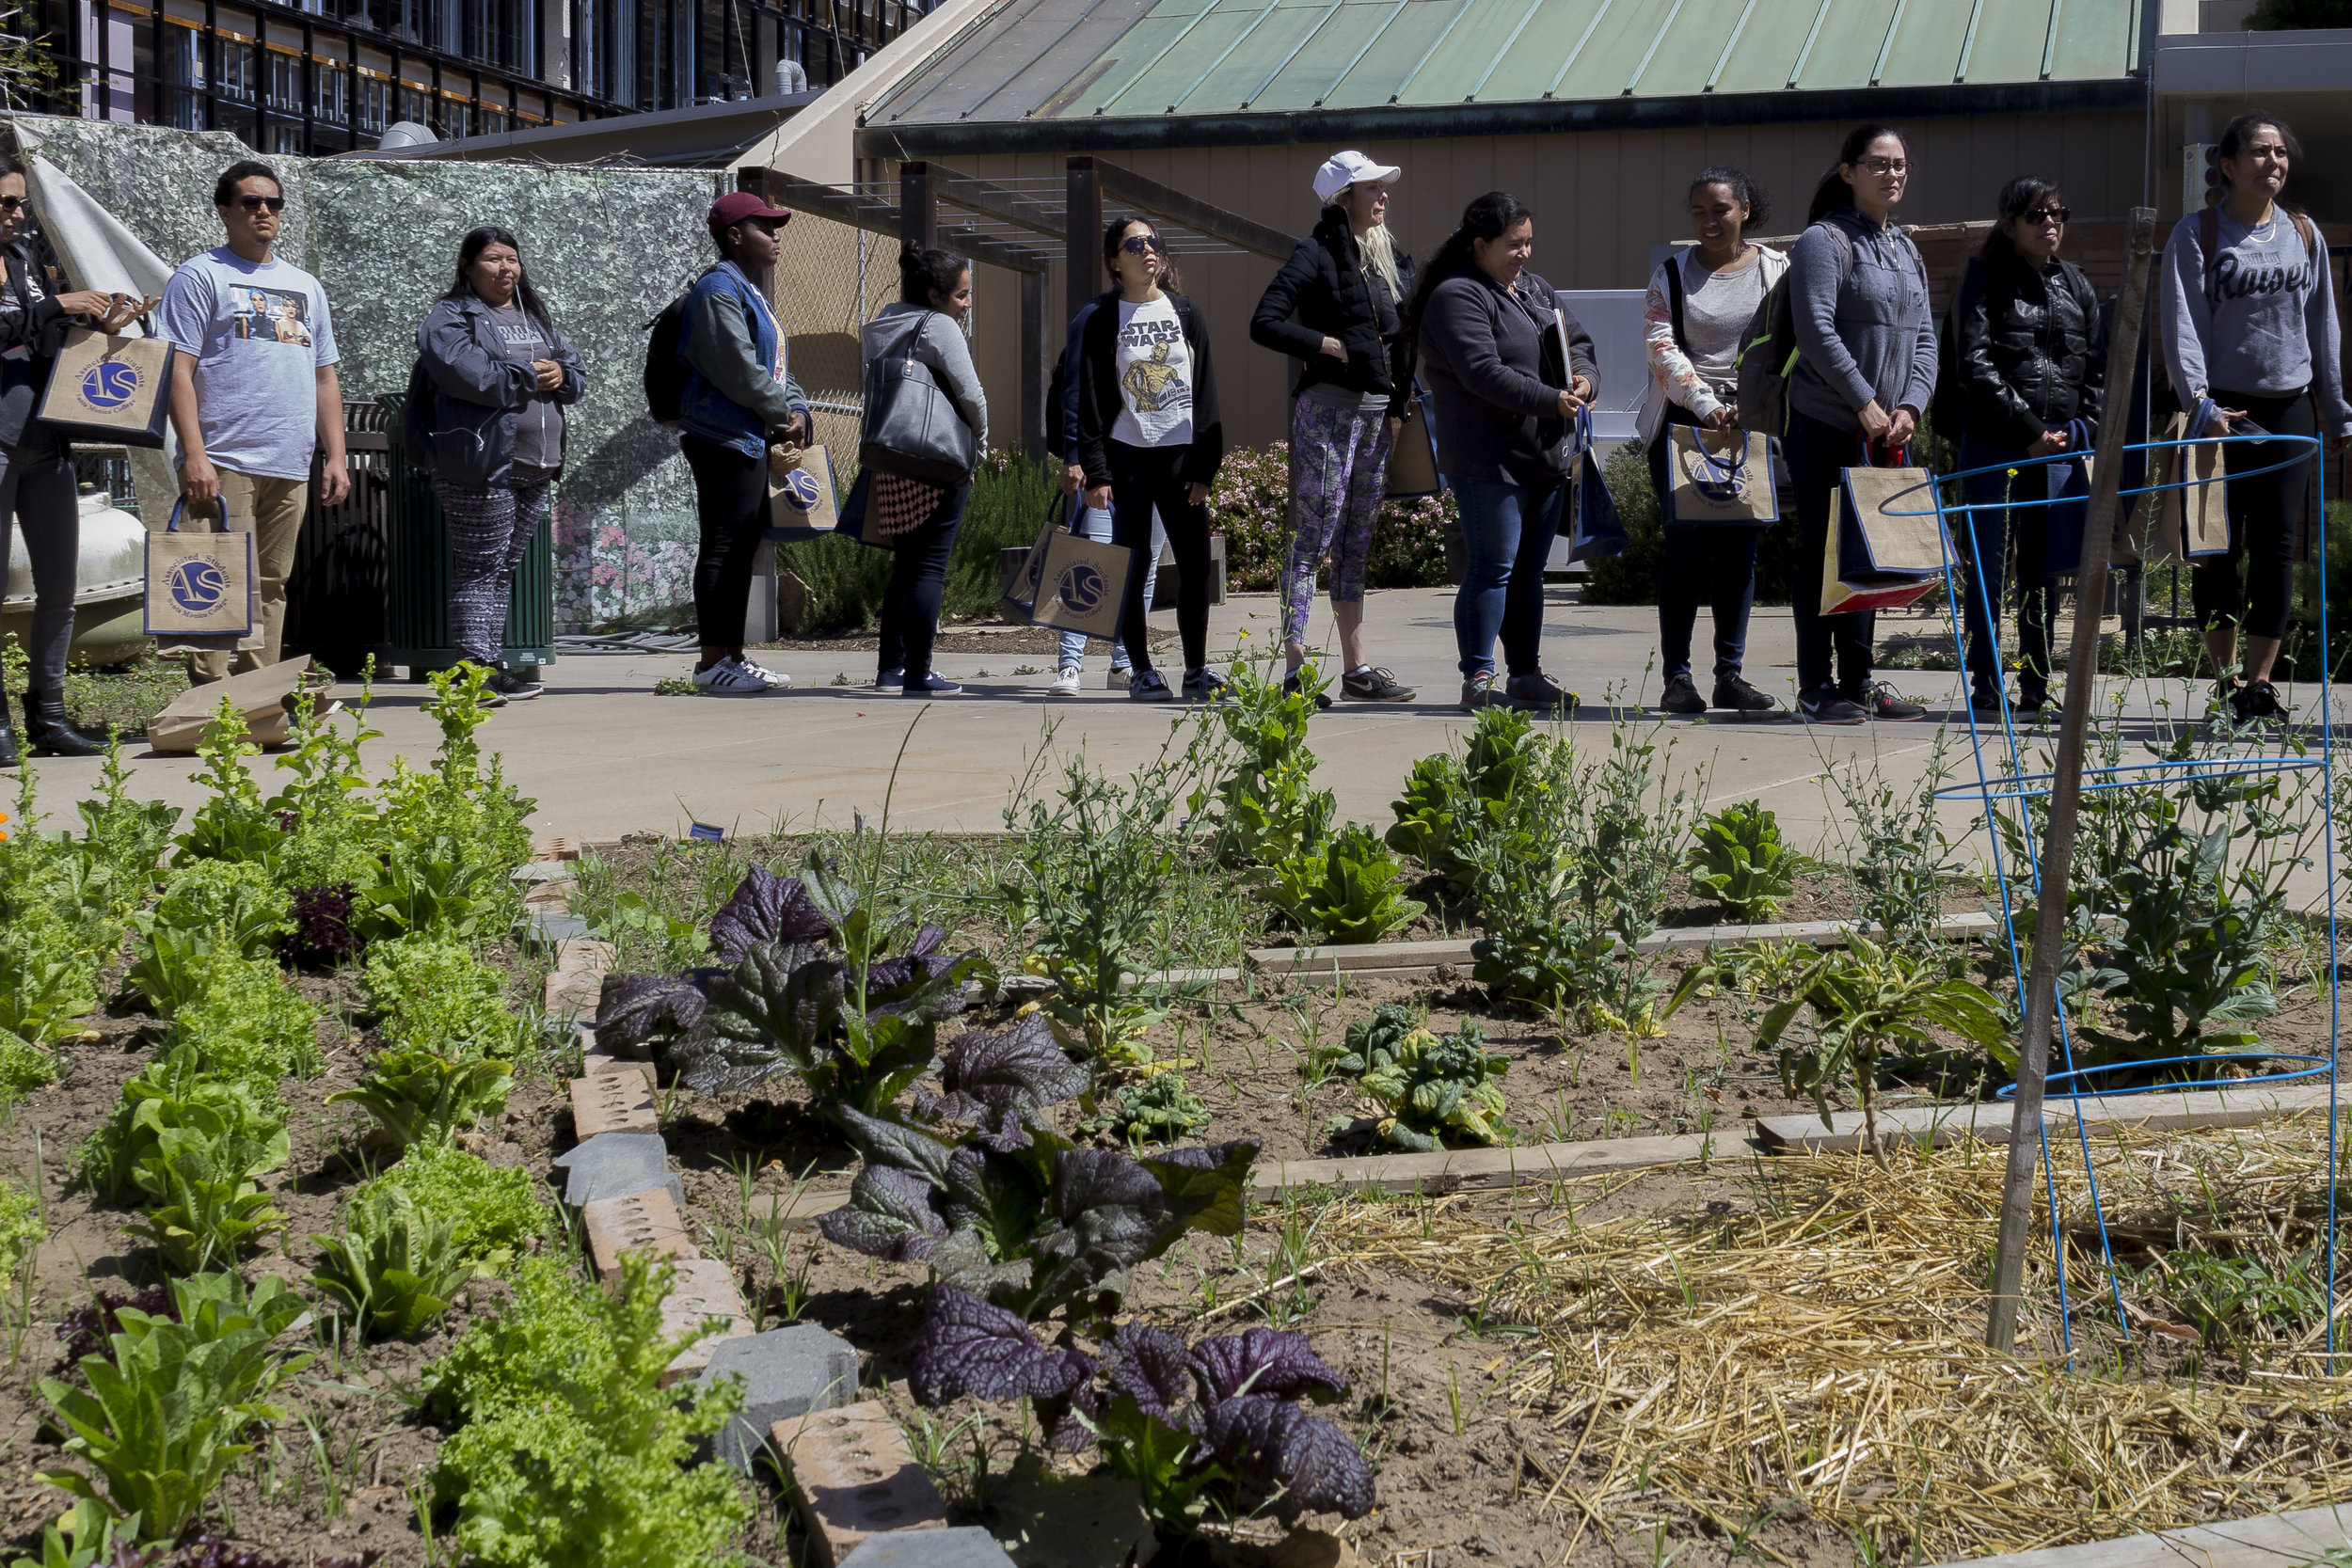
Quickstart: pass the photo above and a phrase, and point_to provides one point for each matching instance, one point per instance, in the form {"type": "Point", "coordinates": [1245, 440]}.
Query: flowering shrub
{"type": "Point", "coordinates": [1250, 505]}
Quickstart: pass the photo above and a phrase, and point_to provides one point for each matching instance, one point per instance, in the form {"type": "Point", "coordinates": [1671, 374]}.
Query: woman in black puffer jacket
{"type": "Point", "coordinates": [2031, 358]}
{"type": "Point", "coordinates": [1336, 305]}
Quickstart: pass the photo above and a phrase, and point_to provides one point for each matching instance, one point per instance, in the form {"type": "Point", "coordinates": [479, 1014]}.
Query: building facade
{"type": "Point", "coordinates": [324, 76]}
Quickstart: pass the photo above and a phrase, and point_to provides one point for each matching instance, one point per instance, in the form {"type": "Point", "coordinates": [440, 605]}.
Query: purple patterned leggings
{"type": "Point", "coordinates": [1339, 475]}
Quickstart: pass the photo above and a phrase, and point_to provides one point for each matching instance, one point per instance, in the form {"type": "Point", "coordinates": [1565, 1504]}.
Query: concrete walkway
{"type": "Point", "coordinates": [604, 756]}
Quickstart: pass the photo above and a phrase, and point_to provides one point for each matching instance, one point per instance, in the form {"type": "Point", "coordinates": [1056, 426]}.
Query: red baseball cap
{"type": "Point", "coordinates": [734, 207]}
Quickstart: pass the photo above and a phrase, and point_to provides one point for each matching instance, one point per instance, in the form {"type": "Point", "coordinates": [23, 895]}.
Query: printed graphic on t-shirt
{"type": "Point", "coordinates": [270, 315]}
{"type": "Point", "coordinates": [2235, 279]}
{"type": "Point", "coordinates": [1153, 385]}
{"type": "Point", "coordinates": [519, 334]}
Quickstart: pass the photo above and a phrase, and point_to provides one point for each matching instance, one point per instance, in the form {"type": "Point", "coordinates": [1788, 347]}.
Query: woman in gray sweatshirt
{"type": "Point", "coordinates": [1866, 366]}
{"type": "Point", "coordinates": [916, 520]}
{"type": "Point", "coordinates": [2249, 338]}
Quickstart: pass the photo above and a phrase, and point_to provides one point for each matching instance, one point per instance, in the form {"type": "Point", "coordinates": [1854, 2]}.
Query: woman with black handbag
{"type": "Point", "coordinates": [37, 488]}
{"type": "Point", "coordinates": [1346, 285]}
{"type": "Point", "coordinates": [1700, 300]}
{"type": "Point", "coordinates": [915, 502]}
{"type": "Point", "coordinates": [1149, 436]}
{"type": "Point", "coordinates": [2031, 360]}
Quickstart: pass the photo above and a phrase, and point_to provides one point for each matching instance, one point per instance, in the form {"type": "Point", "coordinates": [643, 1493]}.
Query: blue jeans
{"type": "Point", "coordinates": [1700, 561]}
{"type": "Point", "coordinates": [1094, 522]}
{"type": "Point", "coordinates": [1507, 537]}
{"type": "Point", "coordinates": [1986, 542]}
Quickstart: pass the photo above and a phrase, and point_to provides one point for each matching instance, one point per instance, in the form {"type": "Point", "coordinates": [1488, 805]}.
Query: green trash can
{"type": "Point", "coordinates": [420, 571]}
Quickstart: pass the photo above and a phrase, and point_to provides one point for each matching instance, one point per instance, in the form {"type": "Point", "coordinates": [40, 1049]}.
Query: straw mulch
{"type": "Point", "coordinates": [1827, 1347]}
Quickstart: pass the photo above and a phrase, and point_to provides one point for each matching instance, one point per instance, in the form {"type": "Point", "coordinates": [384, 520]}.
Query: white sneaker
{"type": "Point", "coordinates": [730, 678]}
{"type": "Point", "coordinates": [1118, 681]}
{"type": "Point", "coordinates": [1065, 682]}
{"type": "Point", "coordinates": [775, 679]}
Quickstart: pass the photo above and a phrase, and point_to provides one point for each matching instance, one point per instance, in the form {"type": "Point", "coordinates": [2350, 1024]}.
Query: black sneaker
{"type": "Point", "coordinates": [1204, 685]}
{"type": "Point", "coordinates": [1883, 702]}
{"type": "Point", "coordinates": [1540, 693]}
{"type": "Point", "coordinates": [1290, 688]}
{"type": "Point", "coordinates": [512, 686]}
{"type": "Point", "coordinates": [1985, 705]}
{"type": "Point", "coordinates": [2257, 700]}
{"type": "Point", "coordinates": [1828, 707]}
{"type": "Point", "coordinates": [1681, 696]}
{"type": "Point", "coordinates": [1372, 683]}
{"type": "Point", "coordinates": [1733, 692]}
{"type": "Point", "coordinates": [1480, 690]}
{"type": "Point", "coordinates": [1146, 685]}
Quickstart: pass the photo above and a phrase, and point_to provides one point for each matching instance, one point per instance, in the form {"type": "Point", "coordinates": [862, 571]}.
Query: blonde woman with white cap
{"type": "Point", "coordinates": [1337, 305]}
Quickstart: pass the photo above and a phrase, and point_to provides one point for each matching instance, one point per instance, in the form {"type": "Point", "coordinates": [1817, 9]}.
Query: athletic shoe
{"type": "Point", "coordinates": [1147, 687]}
{"type": "Point", "coordinates": [1883, 702]}
{"type": "Point", "coordinates": [932, 685]}
{"type": "Point", "coordinates": [1065, 682]}
{"type": "Point", "coordinates": [1828, 707]}
{"type": "Point", "coordinates": [2044, 709]}
{"type": "Point", "coordinates": [1681, 696]}
{"type": "Point", "coordinates": [1118, 677]}
{"type": "Point", "coordinates": [1204, 685]}
{"type": "Point", "coordinates": [1735, 693]}
{"type": "Point", "coordinates": [890, 679]}
{"type": "Point", "coordinates": [2257, 700]}
{"type": "Point", "coordinates": [1985, 705]}
{"type": "Point", "coordinates": [772, 677]}
{"type": "Point", "coordinates": [1540, 693]}
{"type": "Point", "coordinates": [1290, 688]}
{"type": "Point", "coordinates": [1372, 683]}
{"type": "Point", "coordinates": [728, 678]}
{"type": "Point", "coordinates": [512, 687]}
{"type": "Point", "coordinates": [1480, 690]}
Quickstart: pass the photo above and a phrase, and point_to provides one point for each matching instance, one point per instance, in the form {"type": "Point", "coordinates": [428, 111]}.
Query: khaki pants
{"type": "Point", "coordinates": [271, 509]}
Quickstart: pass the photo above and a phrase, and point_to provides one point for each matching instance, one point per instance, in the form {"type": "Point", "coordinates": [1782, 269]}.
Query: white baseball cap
{"type": "Point", "coordinates": [1343, 169]}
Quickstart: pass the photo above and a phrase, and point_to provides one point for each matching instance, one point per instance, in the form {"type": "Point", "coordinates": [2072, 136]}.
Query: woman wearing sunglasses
{"type": "Point", "coordinates": [2250, 338]}
{"type": "Point", "coordinates": [2030, 359]}
{"type": "Point", "coordinates": [37, 488]}
{"type": "Point", "coordinates": [1865, 367]}
{"type": "Point", "coordinates": [1149, 436]}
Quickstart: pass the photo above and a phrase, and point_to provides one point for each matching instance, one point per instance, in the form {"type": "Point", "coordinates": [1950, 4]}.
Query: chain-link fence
{"type": "Point", "coordinates": [831, 278]}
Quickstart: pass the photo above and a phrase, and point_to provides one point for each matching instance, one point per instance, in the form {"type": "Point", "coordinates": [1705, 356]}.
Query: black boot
{"type": "Point", "coordinates": [46, 730]}
{"type": "Point", "coordinates": [9, 755]}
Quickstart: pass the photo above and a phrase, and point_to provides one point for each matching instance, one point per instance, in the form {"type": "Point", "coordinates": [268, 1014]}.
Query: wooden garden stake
{"type": "Point", "coordinates": [2058, 845]}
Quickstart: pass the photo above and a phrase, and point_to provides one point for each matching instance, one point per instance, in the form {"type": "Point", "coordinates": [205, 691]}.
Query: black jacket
{"type": "Point", "coordinates": [2032, 354]}
{"type": "Point", "coordinates": [474, 393]}
{"type": "Point", "coordinates": [1323, 285]}
{"type": "Point", "coordinates": [32, 331]}
{"type": "Point", "coordinates": [1495, 374]}
{"type": "Point", "coordinates": [1099, 400]}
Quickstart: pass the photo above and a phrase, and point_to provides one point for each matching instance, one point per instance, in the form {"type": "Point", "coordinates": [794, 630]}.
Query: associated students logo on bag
{"type": "Point", "coordinates": [110, 384]}
{"type": "Point", "coordinates": [800, 489]}
{"type": "Point", "coordinates": [196, 587]}
{"type": "Point", "coordinates": [1081, 587]}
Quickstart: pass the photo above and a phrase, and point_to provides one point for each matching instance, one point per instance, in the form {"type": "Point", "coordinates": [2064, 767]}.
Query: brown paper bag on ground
{"type": "Point", "coordinates": [265, 697]}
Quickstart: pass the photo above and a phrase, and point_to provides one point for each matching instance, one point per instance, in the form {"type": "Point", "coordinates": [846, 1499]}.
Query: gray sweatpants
{"type": "Point", "coordinates": [489, 528]}
{"type": "Point", "coordinates": [37, 493]}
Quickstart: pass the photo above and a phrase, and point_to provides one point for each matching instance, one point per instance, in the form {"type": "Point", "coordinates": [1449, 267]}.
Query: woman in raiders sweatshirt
{"type": "Point", "coordinates": [2249, 338]}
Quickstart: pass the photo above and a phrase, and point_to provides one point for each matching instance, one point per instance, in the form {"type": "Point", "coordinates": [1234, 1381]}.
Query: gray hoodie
{"type": "Point", "coordinates": [1863, 328]}
{"type": "Point", "coordinates": [940, 344]}
{"type": "Point", "coordinates": [2261, 319]}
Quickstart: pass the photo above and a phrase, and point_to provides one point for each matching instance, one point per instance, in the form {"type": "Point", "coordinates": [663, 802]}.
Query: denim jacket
{"type": "Point", "coordinates": [733, 350]}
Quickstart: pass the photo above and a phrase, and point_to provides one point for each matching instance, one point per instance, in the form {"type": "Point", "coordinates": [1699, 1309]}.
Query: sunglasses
{"type": "Point", "coordinates": [11, 203]}
{"type": "Point", "coordinates": [1884, 166]}
{"type": "Point", "coordinates": [255, 203]}
{"type": "Point", "coordinates": [2045, 214]}
{"type": "Point", "coordinates": [1141, 244]}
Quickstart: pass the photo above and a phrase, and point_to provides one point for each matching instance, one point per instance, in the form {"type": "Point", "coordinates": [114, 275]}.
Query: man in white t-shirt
{"type": "Point", "coordinates": [254, 394]}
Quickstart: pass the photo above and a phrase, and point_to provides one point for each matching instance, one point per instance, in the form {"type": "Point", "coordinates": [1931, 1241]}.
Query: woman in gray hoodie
{"type": "Point", "coordinates": [1866, 366]}
{"type": "Point", "coordinates": [485, 416]}
{"type": "Point", "coordinates": [2250, 340]}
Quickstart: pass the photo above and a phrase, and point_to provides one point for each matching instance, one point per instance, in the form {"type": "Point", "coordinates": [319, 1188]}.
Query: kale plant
{"type": "Point", "coordinates": [1019, 1214]}
{"type": "Point", "coordinates": [1216, 1426]}
{"type": "Point", "coordinates": [1432, 1090]}
{"type": "Point", "coordinates": [1346, 891]}
{"type": "Point", "coordinates": [1266, 814]}
{"type": "Point", "coordinates": [812, 979]}
{"type": "Point", "coordinates": [167, 1403]}
{"type": "Point", "coordinates": [1738, 861]}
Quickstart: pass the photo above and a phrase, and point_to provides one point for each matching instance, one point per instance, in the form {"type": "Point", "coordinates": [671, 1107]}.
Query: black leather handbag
{"type": "Point", "coordinates": [911, 426]}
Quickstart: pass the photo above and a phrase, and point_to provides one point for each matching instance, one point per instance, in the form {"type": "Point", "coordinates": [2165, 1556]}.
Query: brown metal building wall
{"type": "Point", "coordinates": [1601, 200]}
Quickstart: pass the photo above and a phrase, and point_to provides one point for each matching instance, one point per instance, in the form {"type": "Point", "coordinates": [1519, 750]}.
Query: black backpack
{"type": "Point", "coordinates": [665, 363]}
{"type": "Point", "coordinates": [1769, 357]}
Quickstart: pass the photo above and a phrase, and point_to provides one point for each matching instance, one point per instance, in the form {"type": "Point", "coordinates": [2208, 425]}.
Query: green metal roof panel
{"type": "Point", "coordinates": [1132, 59]}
